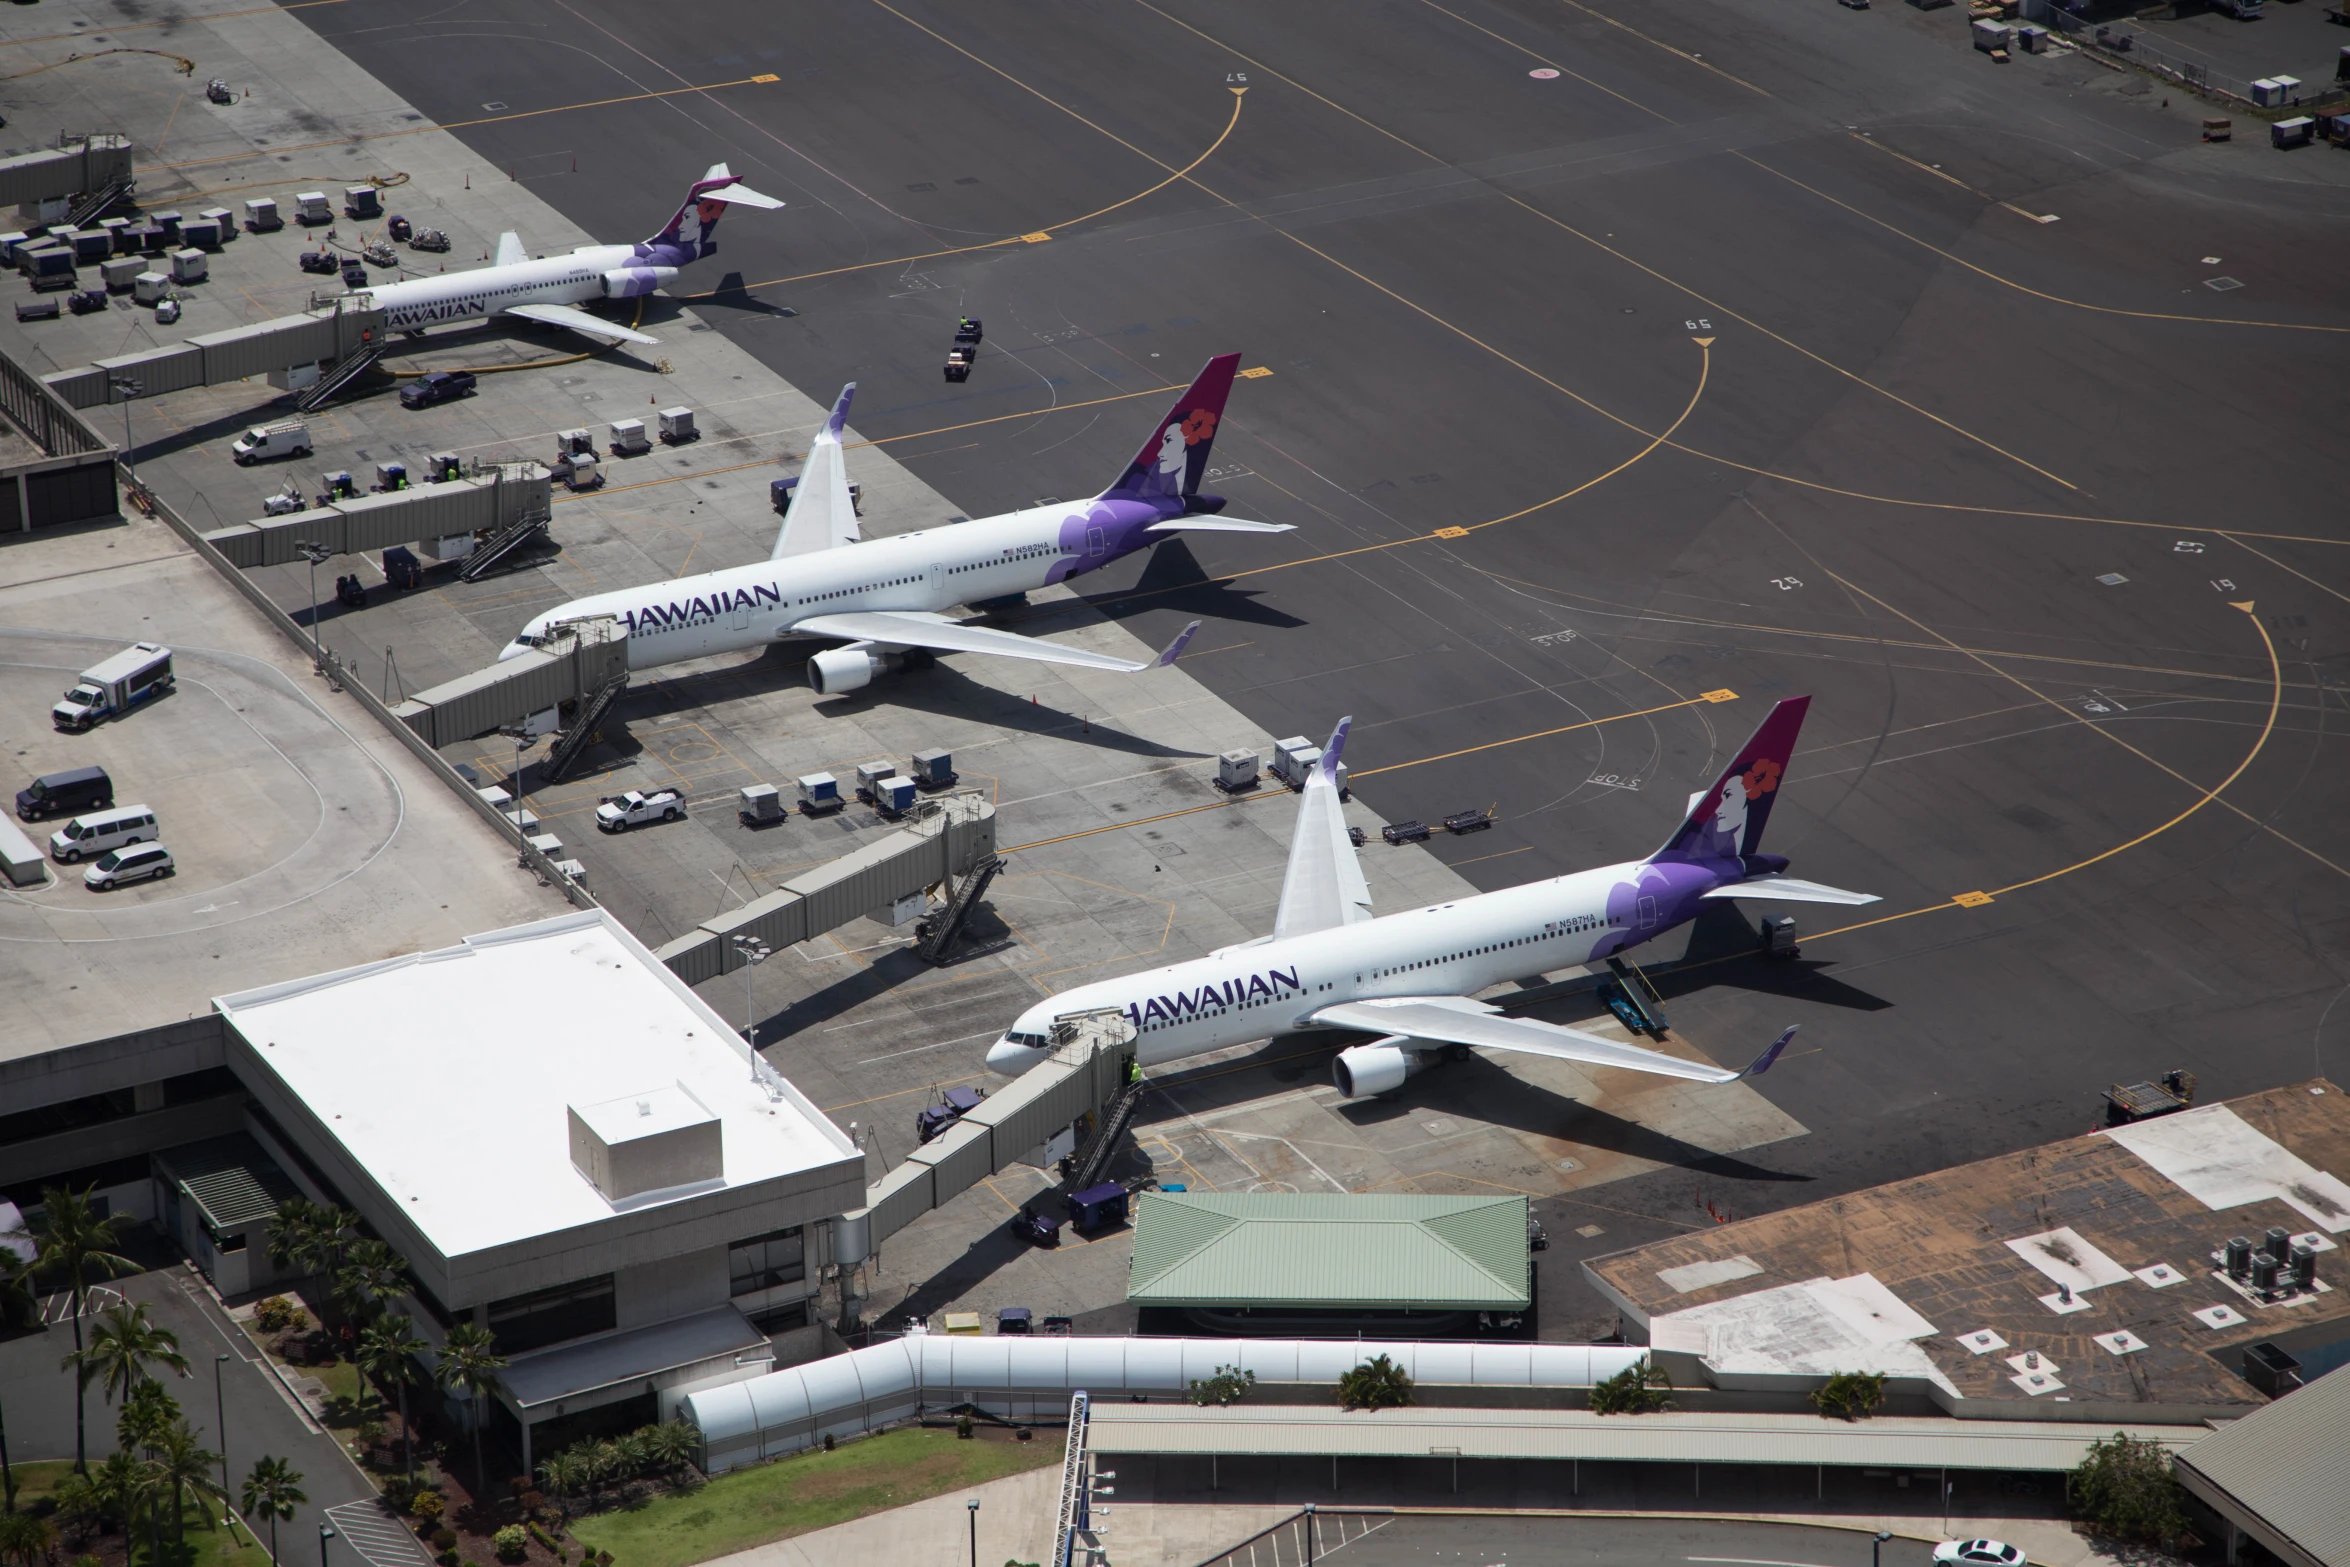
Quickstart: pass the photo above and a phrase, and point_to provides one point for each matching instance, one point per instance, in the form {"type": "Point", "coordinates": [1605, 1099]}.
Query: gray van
{"type": "Point", "coordinates": [99, 831]}
{"type": "Point", "coordinates": [61, 794]}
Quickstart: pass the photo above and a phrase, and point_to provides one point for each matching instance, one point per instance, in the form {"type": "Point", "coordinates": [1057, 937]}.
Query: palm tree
{"type": "Point", "coordinates": [116, 1487]}
{"type": "Point", "coordinates": [386, 1354]}
{"type": "Point", "coordinates": [371, 1278]}
{"type": "Point", "coordinates": [564, 1474]}
{"type": "Point", "coordinates": [184, 1464]}
{"type": "Point", "coordinates": [672, 1445]}
{"type": "Point", "coordinates": [120, 1349]}
{"type": "Point", "coordinates": [80, 1505]}
{"type": "Point", "coordinates": [25, 1539]}
{"type": "Point", "coordinates": [146, 1419]}
{"type": "Point", "coordinates": [74, 1240]}
{"type": "Point", "coordinates": [272, 1491]}
{"type": "Point", "coordinates": [468, 1366]}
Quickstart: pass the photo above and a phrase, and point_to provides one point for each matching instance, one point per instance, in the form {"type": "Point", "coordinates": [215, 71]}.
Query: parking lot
{"type": "Point", "coordinates": [1725, 357]}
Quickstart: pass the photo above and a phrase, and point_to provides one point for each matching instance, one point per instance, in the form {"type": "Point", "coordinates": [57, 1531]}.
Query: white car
{"type": "Point", "coordinates": [120, 867]}
{"type": "Point", "coordinates": [1978, 1553]}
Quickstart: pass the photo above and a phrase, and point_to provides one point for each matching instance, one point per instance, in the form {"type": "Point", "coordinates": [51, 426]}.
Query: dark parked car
{"type": "Point", "coordinates": [68, 793]}
{"type": "Point", "coordinates": [436, 386]}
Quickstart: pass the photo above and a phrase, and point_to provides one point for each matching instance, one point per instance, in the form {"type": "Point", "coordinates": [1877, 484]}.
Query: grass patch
{"type": "Point", "coordinates": [36, 1480]}
{"type": "Point", "coordinates": [814, 1490]}
{"type": "Point", "coordinates": [202, 1546]}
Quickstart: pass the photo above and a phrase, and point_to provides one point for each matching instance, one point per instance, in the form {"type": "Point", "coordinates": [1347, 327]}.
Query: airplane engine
{"type": "Point", "coordinates": [842, 669]}
{"type": "Point", "coordinates": [630, 282]}
{"type": "Point", "coordinates": [1378, 1067]}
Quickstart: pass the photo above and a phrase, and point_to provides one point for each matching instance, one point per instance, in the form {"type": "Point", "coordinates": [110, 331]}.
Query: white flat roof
{"type": "Point", "coordinates": [446, 1075]}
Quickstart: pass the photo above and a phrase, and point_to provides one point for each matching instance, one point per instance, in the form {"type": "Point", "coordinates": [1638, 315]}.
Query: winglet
{"type": "Point", "coordinates": [1764, 1062]}
{"type": "Point", "coordinates": [840, 415]}
{"type": "Point", "coordinates": [1337, 745]}
{"type": "Point", "coordinates": [1176, 647]}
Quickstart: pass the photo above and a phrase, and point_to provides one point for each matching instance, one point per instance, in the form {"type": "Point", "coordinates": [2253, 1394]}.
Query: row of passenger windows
{"type": "Point", "coordinates": [867, 588]}
{"type": "Point", "coordinates": [1571, 926]}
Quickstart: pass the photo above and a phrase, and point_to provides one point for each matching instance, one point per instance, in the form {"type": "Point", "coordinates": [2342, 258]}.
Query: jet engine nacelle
{"type": "Point", "coordinates": [1378, 1067]}
{"type": "Point", "coordinates": [841, 669]}
{"type": "Point", "coordinates": [631, 282]}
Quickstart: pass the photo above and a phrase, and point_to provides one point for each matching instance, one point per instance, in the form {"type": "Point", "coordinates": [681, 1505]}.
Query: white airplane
{"type": "Point", "coordinates": [882, 597]}
{"type": "Point", "coordinates": [1411, 978]}
{"type": "Point", "coordinates": [547, 289]}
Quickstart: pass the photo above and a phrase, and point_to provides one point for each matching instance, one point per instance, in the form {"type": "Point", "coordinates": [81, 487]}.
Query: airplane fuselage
{"type": "Point", "coordinates": [924, 572]}
{"type": "Point", "coordinates": [1260, 989]}
{"type": "Point", "coordinates": [578, 277]}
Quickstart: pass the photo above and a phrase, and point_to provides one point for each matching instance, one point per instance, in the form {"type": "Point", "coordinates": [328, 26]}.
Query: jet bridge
{"type": "Point", "coordinates": [505, 505]}
{"type": "Point", "coordinates": [577, 659]}
{"type": "Point", "coordinates": [333, 331]}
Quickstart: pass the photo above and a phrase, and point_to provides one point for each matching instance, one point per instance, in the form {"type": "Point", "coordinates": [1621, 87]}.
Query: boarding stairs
{"type": "Point", "coordinates": [946, 927]}
{"type": "Point", "coordinates": [1094, 1158]}
{"type": "Point", "coordinates": [93, 206]}
{"type": "Point", "coordinates": [582, 732]}
{"type": "Point", "coordinates": [502, 544]}
{"type": "Point", "coordinates": [1633, 998]}
{"type": "Point", "coordinates": [337, 376]}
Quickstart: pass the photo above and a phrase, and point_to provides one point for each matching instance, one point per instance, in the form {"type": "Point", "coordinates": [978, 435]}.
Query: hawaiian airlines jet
{"type": "Point", "coordinates": [882, 597]}
{"type": "Point", "coordinates": [1410, 978]}
{"type": "Point", "coordinates": [547, 289]}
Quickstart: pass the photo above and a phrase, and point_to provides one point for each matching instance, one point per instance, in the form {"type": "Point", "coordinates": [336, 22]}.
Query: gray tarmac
{"type": "Point", "coordinates": [1743, 351]}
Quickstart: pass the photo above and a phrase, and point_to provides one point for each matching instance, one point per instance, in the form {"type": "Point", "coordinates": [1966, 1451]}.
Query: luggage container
{"type": "Point", "coordinates": [311, 207]}
{"type": "Point", "coordinates": [1778, 938]}
{"type": "Point", "coordinates": [118, 231]}
{"type": "Point", "coordinates": [121, 273]}
{"type": "Point", "coordinates": [677, 426]}
{"type": "Point", "coordinates": [870, 774]}
{"type": "Point", "coordinates": [261, 215]}
{"type": "Point", "coordinates": [168, 223]}
{"type": "Point", "coordinates": [933, 769]}
{"type": "Point", "coordinates": [201, 233]}
{"type": "Point", "coordinates": [1990, 37]}
{"type": "Point", "coordinates": [761, 805]}
{"type": "Point", "coordinates": [1098, 1207]}
{"type": "Point", "coordinates": [11, 242]}
{"type": "Point", "coordinates": [441, 467]}
{"type": "Point", "coordinates": [49, 267]}
{"type": "Point", "coordinates": [628, 438]}
{"type": "Point", "coordinates": [225, 218]}
{"type": "Point", "coordinates": [390, 476]}
{"type": "Point", "coordinates": [586, 472]}
{"type": "Point", "coordinates": [362, 202]}
{"type": "Point", "coordinates": [90, 246]}
{"type": "Point", "coordinates": [1236, 771]}
{"type": "Point", "coordinates": [189, 266]}
{"type": "Point", "coordinates": [148, 288]}
{"type": "Point", "coordinates": [1294, 759]}
{"type": "Point", "coordinates": [2294, 132]}
{"type": "Point", "coordinates": [401, 567]}
{"type": "Point", "coordinates": [894, 796]}
{"type": "Point", "coordinates": [820, 794]}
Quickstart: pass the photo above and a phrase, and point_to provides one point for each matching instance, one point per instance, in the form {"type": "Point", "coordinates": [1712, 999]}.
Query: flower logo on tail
{"type": "Point", "coordinates": [1198, 425]}
{"type": "Point", "coordinates": [1761, 778]}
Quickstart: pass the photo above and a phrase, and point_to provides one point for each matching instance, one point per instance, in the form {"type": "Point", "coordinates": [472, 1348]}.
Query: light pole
{"type": "Point", "coordinates": [220, 1418]}
{"type": "Point", "coordinates": [754, 952]}
{"type": "Point", "coordinates": [125, 388]}
{"type": "Point", "coordinates": [326, 1532]}
{"type": "Point", "coordinates": [318, 555]}
{"type": "Point", "coordinates": [1311, 1555]}
{"type": "Point", "coordinates": [1877, 1546]}
{"type": "Point", "coordinates": [973, 1506]}
{"type": "Point", "coordinates": [523, 740]}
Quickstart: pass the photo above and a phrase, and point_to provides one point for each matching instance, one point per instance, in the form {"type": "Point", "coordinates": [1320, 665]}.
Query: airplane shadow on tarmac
{"type": "Point", "coordinates": [1174, 579]}
{"type": "Point", "coordinates": [1724, 950]}
{"type": "Point", "coordinates": [946, 691]}
{"type": "Point", "coordinates": [733, 294]}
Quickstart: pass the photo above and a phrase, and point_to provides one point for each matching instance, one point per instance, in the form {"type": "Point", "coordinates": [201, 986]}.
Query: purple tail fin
{"type": "Point", "coordinates": [1171, 462]}
{"type": "Point", "coordinates": [1727, 820]}
{"type": "Point", "coordinates": [688, 234]}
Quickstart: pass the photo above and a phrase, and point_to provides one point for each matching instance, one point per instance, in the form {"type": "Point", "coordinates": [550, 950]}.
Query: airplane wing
{"type": "Point", "coordinates": [821, 514]}
{"type": "Point", "coordinates": [1457, 1020]}
{"type": "Point", "coordinates": [509, 250]}
{"type": "Point", "coordinates": [578, 321]}
{"type": "Point", "coordinates": [1219, 525]}
{"type": "Point", "coordinates": [1324, 885]}
{"type": "Point", "coordinates": [906, 630]}
{"type": "Point", "coordinates": [1786, 889]}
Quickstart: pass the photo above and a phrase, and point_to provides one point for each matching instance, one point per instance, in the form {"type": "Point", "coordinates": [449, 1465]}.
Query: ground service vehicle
{"type": "Point", "coordinates": [437, 386]}
{"type": "Point", "coordinates": [620, 812]}
{"type": "Point", "coordinates": [99, 831]}
{"type": "Point", "coordinates": [124, 866]}
{"type": "Point", "coordinates": [115, 686]}
{"type": "Point", "coordinates": [60, 794]}
{"type": "Point", "coordinates": [287, 438]}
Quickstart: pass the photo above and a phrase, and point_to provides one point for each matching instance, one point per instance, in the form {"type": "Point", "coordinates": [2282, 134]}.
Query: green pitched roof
{"type": "Point", "coordinates": [1278, 1249]}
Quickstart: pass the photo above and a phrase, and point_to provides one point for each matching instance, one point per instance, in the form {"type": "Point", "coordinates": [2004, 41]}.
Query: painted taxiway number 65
{"type": "Point", "coordinates": [1701, 324]}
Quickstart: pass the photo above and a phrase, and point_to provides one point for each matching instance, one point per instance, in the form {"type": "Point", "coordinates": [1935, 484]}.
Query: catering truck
{"type": "Point", "coordinates": [114, 687]}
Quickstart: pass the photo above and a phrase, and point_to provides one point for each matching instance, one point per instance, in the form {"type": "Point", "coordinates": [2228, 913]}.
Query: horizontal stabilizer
{"type": "Point", "coordinates": [1219, 525]}
{"type": "Point", "coordinates": [1456, 1020]}
{"type": "Point", "coordinates": [946, 636]}
{"type": "Point", "coordinates": [741, 195]}
{"type": "Point", "coordinates": [1786, 889]}
{"type": "Point", "coordinates": [578, 321]}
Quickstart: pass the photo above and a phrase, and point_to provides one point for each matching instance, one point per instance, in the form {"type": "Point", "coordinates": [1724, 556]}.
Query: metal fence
{"type": "Point", "coordinates": [2116, 42]}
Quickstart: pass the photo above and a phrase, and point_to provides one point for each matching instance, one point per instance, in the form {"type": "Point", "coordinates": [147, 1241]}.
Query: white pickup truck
{"type": "Point", "coordinates": [619, 812]}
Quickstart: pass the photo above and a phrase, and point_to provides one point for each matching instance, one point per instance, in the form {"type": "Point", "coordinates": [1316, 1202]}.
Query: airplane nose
{"type": "Point", "coordinates": [1010, 1059]}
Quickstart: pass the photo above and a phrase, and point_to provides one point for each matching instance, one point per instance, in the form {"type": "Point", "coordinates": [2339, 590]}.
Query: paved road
{"type": "Point", "coordinates": [1489, 1541]}
{"type": "Point", "coordinates": [262, 1419]}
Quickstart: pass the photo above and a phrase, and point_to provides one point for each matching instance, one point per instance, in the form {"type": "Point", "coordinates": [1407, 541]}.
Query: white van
{"type": "Point", "coordinates": [288, 438]}
{"type": "Point", "coordinates": [100, 831]}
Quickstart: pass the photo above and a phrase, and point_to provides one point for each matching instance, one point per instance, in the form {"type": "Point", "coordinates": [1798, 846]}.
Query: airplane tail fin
{"type": "Point", "coordinates": [1727, 820]}
{"type": "Point", "coordinates": [687, 235]}
{"type": "Point", "coordinates": [1174, 458]}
